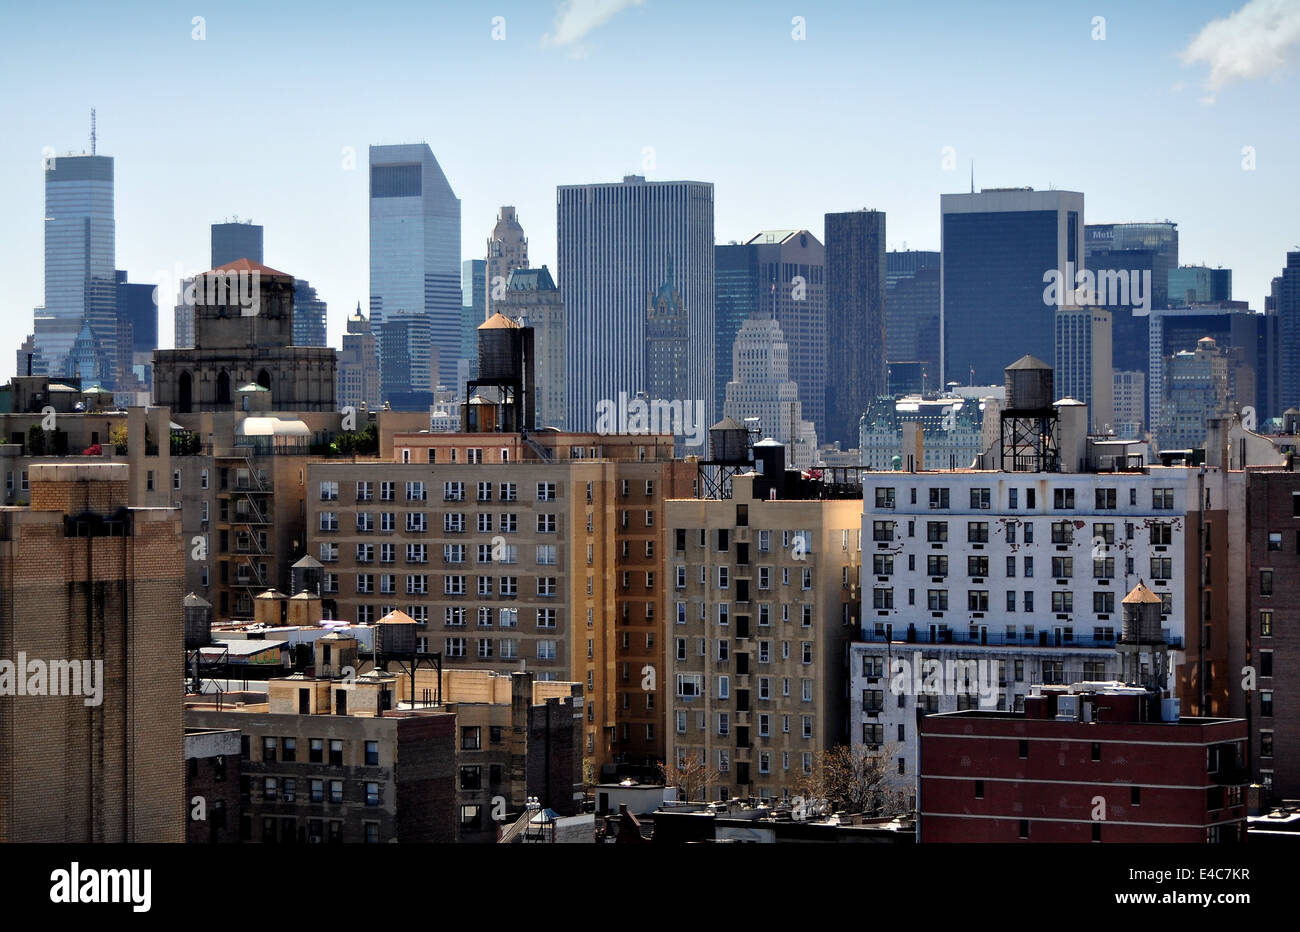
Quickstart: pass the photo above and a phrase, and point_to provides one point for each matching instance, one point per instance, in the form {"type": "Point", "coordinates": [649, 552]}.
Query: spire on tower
{"type": "Point", "coordinates": [92, 130]}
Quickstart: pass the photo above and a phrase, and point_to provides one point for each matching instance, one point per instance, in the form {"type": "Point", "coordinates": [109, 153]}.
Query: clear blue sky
{"type": "Point", "coordinates": [253, 119]}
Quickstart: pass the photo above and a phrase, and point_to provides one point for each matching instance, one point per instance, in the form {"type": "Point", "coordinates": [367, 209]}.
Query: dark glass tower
{"type": "Point", "coordinates": [912, 318]}
{"type": "Point", "coordinates": [997, 247]}
{"type": "Point", "coordinates": [232, 241]}
{"type": "Point", "coordinates": [855, 320]}
{"type": "Point", "coordinates": [735, 296]}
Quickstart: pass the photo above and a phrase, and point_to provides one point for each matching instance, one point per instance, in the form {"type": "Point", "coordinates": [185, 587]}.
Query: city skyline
{"type": "Point", "coordinates": [299, 187]}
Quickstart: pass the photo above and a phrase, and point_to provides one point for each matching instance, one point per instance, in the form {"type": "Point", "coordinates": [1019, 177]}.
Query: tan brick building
{"type": "Point", "coordinates": [85, 578]}
{"type": "Point", "coordinates": [546, 550]}
{"type": "Point", "coordinates": [764, 604]}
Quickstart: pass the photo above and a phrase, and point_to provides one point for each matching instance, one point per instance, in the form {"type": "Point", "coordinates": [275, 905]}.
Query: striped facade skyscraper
{"type": "Point", "coordinates": [615, 243]}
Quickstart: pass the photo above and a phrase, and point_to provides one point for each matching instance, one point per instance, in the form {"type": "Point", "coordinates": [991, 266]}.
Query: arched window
{"type": "Point", "coordinates": [264, 379]}
{"type": "Point", "coordinates": [185, 394]}
{"type": "Point", "coordinates": [223, 388]}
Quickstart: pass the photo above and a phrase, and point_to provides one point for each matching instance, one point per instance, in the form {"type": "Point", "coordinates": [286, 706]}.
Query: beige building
{"type": "Point", "coordinates": [339, 757]}
{"type": "Point", "coordinates": [507, 250]}
{"type": "Point", "coordinates": [91, 749]}
{"type": "Point", "coordinates": [545, 550]}
{"type": "Point", "coordinates": [764, 593]}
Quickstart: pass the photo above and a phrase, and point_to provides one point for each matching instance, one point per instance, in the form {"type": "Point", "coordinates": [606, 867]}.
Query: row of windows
{"type": "Point", "coordinates": [722, 612]}
{"type": "Point", "coordinates": [722, 650]}
{"type": "Point", "coordinates": [319, 751]}
{"type": "Point", "coordinates": [418, 584]}
{"type": "Point", "coordinates": [977, 600]}
{"type": "Point", "coordinates": [285, 789]}
{"type": "Point", "coordinates": [452, 522]}
{"type": "Point", "coordinates": [1063, 499]}
{"type": "Point", "coordinates": [417, 492]}
{"type": "Point", "coordinates": [1062, 532]}
{"type": "Point", "coordinates": [723, 576]}
{"type": "Point", "coordinates": [977, 566]}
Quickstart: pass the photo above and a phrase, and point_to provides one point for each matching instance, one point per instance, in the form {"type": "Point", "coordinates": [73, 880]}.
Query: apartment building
{"type": "Point", "coordinates": [342, 757]}
{"type": "Point", "coordinates": [1273, 555]}
{"type": "Point", "coordinates": [516, 737]}
{"type": "Point", "coordinates": [545, 548]}
{"type": "Point", "coordinates": [892, 683]}
{"type": "Point", "coordinates": [1089, 762]}
{"type": "Point", "coordinates": [1006, 561]}
{"type": "Point", "coordinates": [764, 586]}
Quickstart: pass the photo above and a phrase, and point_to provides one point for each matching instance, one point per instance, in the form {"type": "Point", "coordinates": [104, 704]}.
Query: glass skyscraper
{"type": "Point", "coordinates": [855, 320]}
{"type": "Point", "coordinates": [778, 274]}
{"type": "Point", "coordinates": [415, 263]}
{"type": "Point", "coordinates": [912, 318]}
{"type": "Point", "coordinates": [615, 244]}
{"type": "Point", "coordinates": [80, 254]}
{"type": "Point", "coordinates": [996, 247]}
{"type": "Point", "coordinates": [233, 240]}
{"type": "Point", "coordinates": [735, 297]}
{"type": "Point", "coordinates": [309, 315]}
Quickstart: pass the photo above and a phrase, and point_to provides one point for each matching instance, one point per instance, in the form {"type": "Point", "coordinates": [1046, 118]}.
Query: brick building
{"type": "Point", "coordinates": [86, 579]}
{"type": "Point", "coordinates": [1089, 762]}
{"type": "Point", "coordinates": [1273, 620]}
{"type": "Point", "coordinates": [764, 578]}
{"type": "Point", "coordinates": [212, 781]}
{"type": "Point", "coordinates": [546, 548]}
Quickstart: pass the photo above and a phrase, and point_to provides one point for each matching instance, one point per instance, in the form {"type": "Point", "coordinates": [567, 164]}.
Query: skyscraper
{"type": "Point", "coordinates": [408, 361]}
{"type": "Point", "coordinates": [912, 313]}
{"type": "Point", "coordinates": [1135, 249]}
{"type": "Point", "coordinates": [473, 310]}
{"type": "Point", "coordinates": [1286, 298]}
{"type": "Point", "coordinates": [855, 320]}
{"type": "Point", "coordinates": [1198, 284]}
{"type": "Point", "coordinates": [309, 314]}
{"type": "Point", "coordinates": [80, 254]}
{"type": "Point", "coordinates": [1084, 370]}
{"type": "Point", "coordinates": [615, 242]}
{"type": "Point", "coordinates": [507, 250]}
{"type": "Point", "coordinates": [762, 389]}
{"type": "Point", "coordinates": [667, 344]}
{"type": "Point", "coordinates": [358, 370]}
{"type": "Point", "coordinates": [781, 274]}
{"type": "Point", "coordinates": [415, 263]}
{"type": "Point", "coordinates": [997, 248]}
{"type": "Point", "coordinates": [531, 299]}
{"type": "Point", "coordinates": [736, 299]}
{"type": "Point", "coordinates": [234, 240]}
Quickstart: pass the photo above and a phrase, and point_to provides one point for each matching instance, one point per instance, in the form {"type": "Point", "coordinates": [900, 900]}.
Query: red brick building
{"type": "Point", "coordinates": [1273, 626]}
{"type": "Point", "coordinates": [1080, 765]}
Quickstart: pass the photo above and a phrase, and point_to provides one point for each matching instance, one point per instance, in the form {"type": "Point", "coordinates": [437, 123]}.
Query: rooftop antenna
{"type": "Point", "coordinates": [92, 130]}
{"type": "Point", "coordinates": [972, 176]}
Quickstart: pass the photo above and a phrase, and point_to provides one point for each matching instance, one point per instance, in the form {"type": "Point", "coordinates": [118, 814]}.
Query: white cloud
{"type": "Point", "coordinates": [1177, 87]}
{"type": "Point", "coordinates": [1258, 40]}
{"type": "Point", "coordinates": [576, 18]}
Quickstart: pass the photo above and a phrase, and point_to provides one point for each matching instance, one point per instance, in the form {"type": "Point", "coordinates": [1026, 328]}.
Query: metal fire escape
{"type": "Point", "coordinates": [250, 518]}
